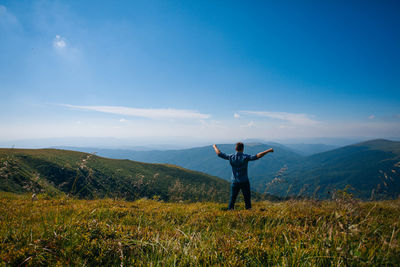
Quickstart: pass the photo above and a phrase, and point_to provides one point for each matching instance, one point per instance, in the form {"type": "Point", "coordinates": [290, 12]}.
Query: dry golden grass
{"type": "Point", "coordinates": [146, 232]}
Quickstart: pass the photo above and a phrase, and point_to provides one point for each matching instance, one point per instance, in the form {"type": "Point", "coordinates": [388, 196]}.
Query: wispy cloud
{"type": "Point", "coordinates": [294, 118]}
{"type": "Point", "coordinates": [59, 42]}
{"type": "Point", "coordinates": [7, 19]}
{"type": "Point", "coordinates": [168, 113]}
{"type": "Point", "coordinates": [236, 116]}
{"type": "Point", "coordinates": [371, 117]}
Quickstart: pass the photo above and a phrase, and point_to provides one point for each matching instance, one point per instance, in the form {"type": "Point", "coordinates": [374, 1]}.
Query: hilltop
{"type": "Point", "coordinates": [112, 232]}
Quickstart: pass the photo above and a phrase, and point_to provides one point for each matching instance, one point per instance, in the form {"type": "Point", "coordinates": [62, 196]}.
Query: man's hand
{"type": "Point", "coordinates": [262, 154]}
{"type": "Point", "coordinates": [216, 149]}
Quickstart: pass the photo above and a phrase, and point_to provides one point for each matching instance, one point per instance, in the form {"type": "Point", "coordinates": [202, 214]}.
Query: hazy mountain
{"type": "Point", "coordinates": [333, 141]}
{"type": "Point", "coordinates": [330, 141]}
{"type": "Point", "coordinates": [310, 149]}
{"type": "Point", "coordinates": [142, 143]}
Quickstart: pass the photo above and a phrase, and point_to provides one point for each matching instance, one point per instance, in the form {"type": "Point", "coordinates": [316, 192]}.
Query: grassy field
{"type": "Point", "coordinates": [147, 232]}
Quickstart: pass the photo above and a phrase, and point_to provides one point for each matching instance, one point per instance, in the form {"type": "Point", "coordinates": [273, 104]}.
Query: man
{"type": "Point", "coordinates": [240, 180]}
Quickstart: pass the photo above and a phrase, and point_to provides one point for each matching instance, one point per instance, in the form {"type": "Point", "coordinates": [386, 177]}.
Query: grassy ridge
{"type": "Point", "coordinates": [98, 232]}
{"type": "Point", "coordinates": [84, 175]}
{"type": "Point", "coordinates": [372, 168]}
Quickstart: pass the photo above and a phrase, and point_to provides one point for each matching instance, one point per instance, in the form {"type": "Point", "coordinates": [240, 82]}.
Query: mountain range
{"type": "Point", "coordinates": [369, 169]}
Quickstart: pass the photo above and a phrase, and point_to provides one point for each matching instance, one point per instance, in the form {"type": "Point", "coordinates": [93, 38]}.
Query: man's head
{"type": "Point", "coordinates": [239, 147]}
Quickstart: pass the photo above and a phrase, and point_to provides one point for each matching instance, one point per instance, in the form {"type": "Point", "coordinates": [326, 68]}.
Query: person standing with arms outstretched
{"type": "Point", "coordinates": [240, 179]}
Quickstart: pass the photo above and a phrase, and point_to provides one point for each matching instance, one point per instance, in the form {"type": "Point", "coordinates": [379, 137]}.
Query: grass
{"type": "Point", "coordinates": [146, 232]}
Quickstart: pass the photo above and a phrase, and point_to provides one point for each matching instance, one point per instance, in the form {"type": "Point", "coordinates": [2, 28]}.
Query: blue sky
{"type": "Point", "coordinates": [199, 70]}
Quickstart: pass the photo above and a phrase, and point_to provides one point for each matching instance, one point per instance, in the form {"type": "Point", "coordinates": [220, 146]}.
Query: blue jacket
{"type": "Point", "coordinates": [239, 162]}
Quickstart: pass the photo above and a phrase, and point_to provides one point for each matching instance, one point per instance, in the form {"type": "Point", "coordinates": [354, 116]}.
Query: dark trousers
{"type": "Point", "coordinates": [235, 188]}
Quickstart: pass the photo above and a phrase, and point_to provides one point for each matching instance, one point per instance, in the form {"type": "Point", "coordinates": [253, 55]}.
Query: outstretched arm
{"type": "Point", "coordinates": [262, 154]}
{"type": "Point", "coordinates": [219, 153]}
{"type": "Point", "coordinates": [216, 149]}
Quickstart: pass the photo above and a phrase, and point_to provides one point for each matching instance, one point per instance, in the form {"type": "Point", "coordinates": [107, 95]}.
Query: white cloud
{"type": "Point", "coordinates": [122, 120]}
{"type": "Point", "coordinates": [236, 116]}
{"type": "Point", "coordinates": [294, 118]}
{"type": "Point", "coordinates": [371, 117]}
{"type": "Point", "coordinates": [59, 42]}
{"type": "Point", "coordinates": [150, 113]}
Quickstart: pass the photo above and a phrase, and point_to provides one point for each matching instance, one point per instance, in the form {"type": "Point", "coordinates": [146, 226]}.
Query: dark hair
{"type": "Point", "coordinates": [239, 146]}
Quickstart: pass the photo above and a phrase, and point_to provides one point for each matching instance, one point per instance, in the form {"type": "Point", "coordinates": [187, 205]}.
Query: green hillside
{"type": "Point", "coordinates": [371, 168]}
{"type": "Point", "coordinates": [88, 176]}
{"type": "Point", "coordinates": [205, 160]}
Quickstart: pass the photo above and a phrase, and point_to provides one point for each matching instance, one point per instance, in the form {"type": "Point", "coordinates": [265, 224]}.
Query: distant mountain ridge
{"type": "Point", "coordinates": [369, 167]}
{"type": "Point", "coordinates": [205, 160]}
{"type": "Point", "coordinates": [310, 149]}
